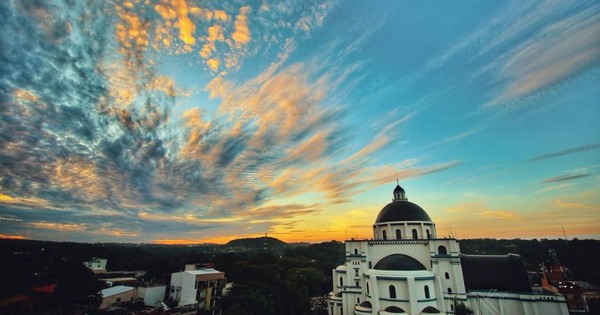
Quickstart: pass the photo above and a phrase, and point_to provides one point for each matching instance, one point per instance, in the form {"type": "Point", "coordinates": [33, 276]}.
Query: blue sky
{"type": "Point", "coordinates": [202, 121]}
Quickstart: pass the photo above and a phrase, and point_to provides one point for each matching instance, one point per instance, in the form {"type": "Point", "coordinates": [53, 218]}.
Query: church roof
{"type": "Point", "coordinates": [399, 262]}
{"type": "Point", "coordinates": [402, 210]}
{"type": "Point", "coordinates": [495, 272]}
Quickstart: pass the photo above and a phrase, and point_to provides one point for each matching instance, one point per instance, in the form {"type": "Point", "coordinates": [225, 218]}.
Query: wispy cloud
{"type": "Point", "coordinates": [563, 178]}
{"type": "Point", "coordinates": [555, 51]}
{"type": "Point", "coordinates": [572, 205]}
{"type": "Point", "coordinates": [554, 154]}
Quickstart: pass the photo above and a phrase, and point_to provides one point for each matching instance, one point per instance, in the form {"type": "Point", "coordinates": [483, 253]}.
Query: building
{"type": "Point", "coordinates": [97, 265]}
{"type": "Point", "coordinates": [117, 294]}
{"type": "Point", "coordinates": [407, 269]}
{"type": "Point", "coordinates": [151, 294]}
{"type": "Point", "coordinates": [198, 285]}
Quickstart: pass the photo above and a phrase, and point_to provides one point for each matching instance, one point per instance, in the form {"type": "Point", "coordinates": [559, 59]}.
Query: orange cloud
{"type": "Point", "coordinates": [177, 11]}
{"type": "Point", "coordinates": [572, 205]}
{"type": "Point", "coordinates": [213, 64]}
{"type": "Point", "coordinates": [58, 226]}
{"type": "Point", "coordinates": [241, 35]}
{"type": "Point", "coordinates": [79, 176]}
{"type": "Point", "coordinates": [23, 202]}
{"type": "Point", "coordinates": [12, 237]}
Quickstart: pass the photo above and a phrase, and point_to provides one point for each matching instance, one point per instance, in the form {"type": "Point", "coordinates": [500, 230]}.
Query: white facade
{"type": "Point", "coordinates": [152, 295]}
{"type": "Point", "coordinates": [201, 287]}
{"type": "Point", "coordinates": [407, 269]}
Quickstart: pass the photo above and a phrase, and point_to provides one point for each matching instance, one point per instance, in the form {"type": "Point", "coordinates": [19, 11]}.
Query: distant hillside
{"type": "Point", "coordinates": [269, 243]}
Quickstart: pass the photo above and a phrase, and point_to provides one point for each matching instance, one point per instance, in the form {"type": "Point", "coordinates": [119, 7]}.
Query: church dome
{"type": "Point", "coordinates": [400, 209]}
{"type": "Point", "coordinates": [398, 262]}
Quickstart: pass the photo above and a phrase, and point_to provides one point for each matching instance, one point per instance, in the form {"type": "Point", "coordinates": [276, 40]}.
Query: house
{"type": "Point", "coordinates": [407, 269]}
{"type": "Point", "coordinates": [117, 294]}
{"type": "Point", "coordinates": [199, 286]}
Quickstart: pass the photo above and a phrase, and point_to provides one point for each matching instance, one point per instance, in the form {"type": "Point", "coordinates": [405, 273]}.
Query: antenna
{"type": "Point", "coordinates": [564, 234]}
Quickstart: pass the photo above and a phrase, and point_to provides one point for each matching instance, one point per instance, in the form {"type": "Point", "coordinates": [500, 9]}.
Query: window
{"type": "Point", "coordinates": [398, 234]}
{"type": "Point", "coordinates": [392, 292]}
{"type": "Point", "coordinates": [357, 300]}
{"type": "Point", "coordinates": [452, 307]}
{"type": "Point", "coordinates": [357, 284]}
{"type": "Point", "coordinates": [368, 287]}
{"type": "Point", "coordinates": [341, 281]}
{"type": "Point", "coordinates": [415, 235]}
{"type": "Point", "coordinates": [442, 250]}
{"type": "Point", "coordinates": [384, 235]}
{"type": "Point", "coordinates": [356, 251]}
{"type": "Point", "coordinates": [447, 275]}
{"type": "Point", "coordinates": [449, 290]}
{"type": "Point", "coordinates": [428, 234]}
{"type": "Point", "coordinates": [370, 265]}
{"type": "Point", "coordinates": [356, 272]}
{"type": "Point", "coordinates": [118, 300]}
{"type": "Point", "coordinates": [426, 289]}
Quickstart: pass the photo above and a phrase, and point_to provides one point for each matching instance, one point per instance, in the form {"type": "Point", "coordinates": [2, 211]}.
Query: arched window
{"type": "Point", "coordinates": [384, 235]}
{"type": "Point", "coordinates": [414, 233]}
{"type": "Point", "coordinates": [398, 234]}
{"type": "Point", "coordinates": [442, 250]}
{"type": "Point", "coordinates": [428, 234]}
{"type": "Point", "coordinates": [426, 291]}
{"type": "Point", "coordinates": [356, 251]}
{"type": "Point", "coordinates": [357, 300]}
{"type": "Point", "coordinates": [368, 287]}
{"type": "Point", "coordinates": [341, 281]}
{"type": "Point", "coordinates": [449, 290]}
{"type": "Point", "coordinates": [447, 275]}
{"type": "Point", "coordinates": [392, 292]}
{"type": "Point", "coordinates": [357, 284]}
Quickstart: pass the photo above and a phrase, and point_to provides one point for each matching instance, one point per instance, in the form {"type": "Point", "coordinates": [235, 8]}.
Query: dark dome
{"type": "Point", "coordinates": [399, 262]}
{"type": "Point", "coordinates": [402, 210]}
{"type": "Point", "coordinates": [399, 189]}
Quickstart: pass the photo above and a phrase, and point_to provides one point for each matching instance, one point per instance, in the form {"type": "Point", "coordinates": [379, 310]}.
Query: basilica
{"type": "Point", "coordinates": [407, 269]}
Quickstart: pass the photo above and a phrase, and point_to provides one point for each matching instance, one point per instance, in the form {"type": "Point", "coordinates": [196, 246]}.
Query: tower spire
{"type": "Point", "coordinates": [397, 181]}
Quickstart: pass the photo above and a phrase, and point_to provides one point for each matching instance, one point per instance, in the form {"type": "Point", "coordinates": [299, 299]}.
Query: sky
{"type": "Point", "coordinates": [174, 121]}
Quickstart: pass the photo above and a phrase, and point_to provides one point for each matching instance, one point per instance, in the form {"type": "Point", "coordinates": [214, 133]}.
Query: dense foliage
{"type": "Point", "coordinates": [268, 276]}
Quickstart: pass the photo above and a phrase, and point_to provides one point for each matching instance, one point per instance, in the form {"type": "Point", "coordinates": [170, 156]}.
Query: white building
{"type": "Point", "coordinates": [407, 269]}
{"type": "Point", "coordinates": [199, 286]}
{"type": "Point", "coordinates": [98, 265]}
{"type": "Point", "coordinates": [152, 295]}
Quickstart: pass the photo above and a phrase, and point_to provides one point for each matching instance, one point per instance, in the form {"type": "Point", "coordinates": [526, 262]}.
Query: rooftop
{"type": "Point", "coordinates": [115, 290]}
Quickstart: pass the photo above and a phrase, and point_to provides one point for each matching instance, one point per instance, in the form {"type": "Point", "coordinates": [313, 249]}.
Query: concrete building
{"type": "Point", "coordinates": [97, 265]}
{"type": "Point", "coordinates": [151, 295]}
{"type": "Point", "coordinates": [198, 285]}
{"type": "Point", "coordinates": [118, 294]}
{"type": "Point", "coordinates": [407, 269]}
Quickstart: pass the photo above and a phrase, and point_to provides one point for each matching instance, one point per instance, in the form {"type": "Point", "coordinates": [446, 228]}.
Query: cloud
{"type": "Point", "coordinates": [12, 237]}
{"type": "Point", "coordinates": [58, 226]}
{"type": "Point", "coordinates": [241, 36]}
{"type": "Point", "coordinates": [555, 51]}
{"type": "Point", "coordinates": [501, 215]}
{"type": "Point", "coordinates": [566, 152]}
{"type": "Point", "coordinates": [554, 187]}
{"type": "Point", "coordinates": [572, 205]}
{"type": "Point", "coordinates": [563, 178]}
